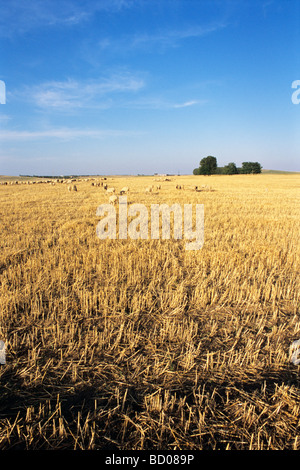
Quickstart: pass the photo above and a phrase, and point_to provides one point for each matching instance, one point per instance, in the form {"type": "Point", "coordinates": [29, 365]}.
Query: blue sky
{"type": "Point", "coordinates": [148, 86]}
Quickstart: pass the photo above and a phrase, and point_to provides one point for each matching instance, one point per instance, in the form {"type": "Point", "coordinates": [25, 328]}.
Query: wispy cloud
{"type": "Point", "coordinates": [171, 37]}
{"type": "Point", "coordinates": [187, 104]}
{"type": "Point", "coordinates": [125, 91]}
{"type": "Point", "coordinates": [157, 103]}
{"type": "Point", "coordinates": [19, 17]}
{"type": "Point", "coordinates": [163, 39]}
{"type": "Point", "coordinates": [5, 118]}
{"type": "Point", "coordinates": [64, 134]}
{"type": "Point", "coordinates": [71, 94]}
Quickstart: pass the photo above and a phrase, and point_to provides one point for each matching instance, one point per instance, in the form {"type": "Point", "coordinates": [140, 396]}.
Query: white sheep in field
{"type": "Point", "coordinates": [124, 190]}
{"type": "Point", "coordinates": [110, 190]}
{"type": "Point", "coordinates": [148, 189]}
{"type": "Point", "coordinates": [113, 199]}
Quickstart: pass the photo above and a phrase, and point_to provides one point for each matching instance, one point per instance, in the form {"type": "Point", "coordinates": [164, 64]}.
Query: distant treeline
{"type": "Point", "coordinates": [209, 166]}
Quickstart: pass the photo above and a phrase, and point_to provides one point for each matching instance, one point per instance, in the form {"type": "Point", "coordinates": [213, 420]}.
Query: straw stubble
{"type": "Point", "coordinates": [139, 344]}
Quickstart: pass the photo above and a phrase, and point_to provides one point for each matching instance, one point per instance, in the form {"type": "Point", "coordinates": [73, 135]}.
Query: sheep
{"type": "Point", "coordinates": [110, 190]}
{"type": "Point", "coordinates": [124, 190]}
{"type": "Point", "coordinates": [72, 187]}
{"type": "Point", "coordinates": [105, 186]}
{"type": "Point", "coordinates": [113, 199]}
{"type": "Point", "coordinates": [148, 189]}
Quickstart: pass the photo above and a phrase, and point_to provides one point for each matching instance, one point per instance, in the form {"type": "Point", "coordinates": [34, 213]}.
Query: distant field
{"type": "Point", "coordinates": [280, 172]}
{"type": "Point", "coordinates": [123, 344]}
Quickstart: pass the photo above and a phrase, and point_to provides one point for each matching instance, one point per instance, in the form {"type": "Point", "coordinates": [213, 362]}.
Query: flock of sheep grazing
{"type": "Point", "coordinates": [149, 189]}
{"type": "Point", "coordinates": [103, 183]}
{"type": "Point", "coordinates": [51, 182]}
{"type": "Point", "coordinates": [113, 199]}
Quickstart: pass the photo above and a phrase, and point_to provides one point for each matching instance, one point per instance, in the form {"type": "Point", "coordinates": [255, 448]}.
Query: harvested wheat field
{"type": "Point", "coordinates": [141, 344]}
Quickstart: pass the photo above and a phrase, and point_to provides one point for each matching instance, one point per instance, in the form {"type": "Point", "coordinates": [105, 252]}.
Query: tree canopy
{"type": "Point", "coordinates": [251, 167]}
{"type": "Point", "coordinates": [230, 169]}
{"type": "Point", "coordinates": [208, 166]}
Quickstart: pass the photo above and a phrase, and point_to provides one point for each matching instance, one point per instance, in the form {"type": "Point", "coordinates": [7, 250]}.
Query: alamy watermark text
{"type": "Point", "coordinates": [160, 227]}
{"type": "Point", "coordinates": [2, 92]}
{"type": "Point", "coordinates": [296, 94]}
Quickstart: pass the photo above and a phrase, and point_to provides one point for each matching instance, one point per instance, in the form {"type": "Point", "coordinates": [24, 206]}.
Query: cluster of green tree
{"type": "Point", "coordinates": [209, 166]}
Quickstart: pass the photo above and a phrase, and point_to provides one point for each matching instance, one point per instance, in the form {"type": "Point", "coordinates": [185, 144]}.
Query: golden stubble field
{"type": "Point", "coordinates": [141, 344]}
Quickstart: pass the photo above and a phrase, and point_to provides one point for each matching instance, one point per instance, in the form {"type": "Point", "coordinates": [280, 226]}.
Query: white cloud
{"type": "Point", "coordinates": [171, 37]}
{"type": "Point", "coordinates": [5, 118]}
{"type": "Point", "coordinates": [64, 133]}
{"type": "Point", "coordinates": [70, 94]}
{"type": "Point", "coordinates": [118, 91]}
{"type": "Point", "coordinates": [157, 103]}
{"type": "Point", "coordinates": [188, 104]}
{"type": "Point", "coordinates": [19, 17]}
{"type": "Point", "coordinates": [163, 39]}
